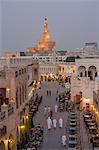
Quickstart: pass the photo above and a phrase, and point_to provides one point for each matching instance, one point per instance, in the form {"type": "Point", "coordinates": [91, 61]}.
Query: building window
{"type": "Point", "coordinates": [19, 72]}
{"type": "Point", "coordinates": [20, 97]}
{"type": "Point", "coordinates": [16, 74]}
{"type": "Point", "coordinates": [17, 98]}
{"type": "Point", "coordinates": [22, 71]}
{"type": "Point", "coordinates": [35, 71]}
{"type": "Point", "coordinates": [25, 90]}
{"type": "Point", "coordinates": [23, 93]}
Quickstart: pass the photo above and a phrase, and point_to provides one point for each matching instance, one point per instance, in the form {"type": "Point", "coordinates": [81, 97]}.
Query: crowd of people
{"type": "Point", "coordinates": [35, 138]}
{"type": "Point", "coordinates": [52, 122]}
{"type": "Point", "coordinates": [48, 92]}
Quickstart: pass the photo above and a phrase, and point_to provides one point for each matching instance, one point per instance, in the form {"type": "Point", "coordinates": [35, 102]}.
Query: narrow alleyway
{"type": "Point", "coordinates": [52, 138]}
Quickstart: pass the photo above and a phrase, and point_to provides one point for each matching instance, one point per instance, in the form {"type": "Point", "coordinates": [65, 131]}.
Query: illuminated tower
{"type": "Point", "coordinates": [45, 34]}
{"type": "Point", "coordinates": [45, 42]}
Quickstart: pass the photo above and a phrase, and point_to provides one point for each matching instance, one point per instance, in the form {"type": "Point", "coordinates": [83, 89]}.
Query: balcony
{"type": "Point", "coordinates": [2, 116]}
{"type": "Point", "coordinates": [6, 111]}
{"type": "Point", "coordinates": [10, 109]}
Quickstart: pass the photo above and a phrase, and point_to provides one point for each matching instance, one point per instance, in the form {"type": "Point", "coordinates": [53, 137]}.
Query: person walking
{"type": "Point", "coordinates": [64, 140]}
{"type": "Point", "coordinates": [56, 98]}
{"type": "Point", "coordinates": [57, 92]}
{"type": "Point", "coordinates": [54, 123]}
{"type": "Point", "coordinates": [45, 110]}
{"type": "Point", "coordinates": [56, 108]}
{"type": "Point", "coordinates": [49, 123]}
{"type": "Point", "coordinates": [60, 122]}
{"type": "Point", "coordinates": [50, 92]}
{"type": "Point", "coordinates": [49, 109]}
{"type": "Point", "coordinates": [51, 114]}
{"type": "Point", "coordinates": [47, 92]}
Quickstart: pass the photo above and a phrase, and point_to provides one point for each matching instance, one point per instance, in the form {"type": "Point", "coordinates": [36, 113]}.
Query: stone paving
{"type": "Point", "coordinates": [52, 138]}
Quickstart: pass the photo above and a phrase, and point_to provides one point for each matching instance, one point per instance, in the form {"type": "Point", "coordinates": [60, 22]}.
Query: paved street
{"type": "Point", "coordinates": [52, 138]}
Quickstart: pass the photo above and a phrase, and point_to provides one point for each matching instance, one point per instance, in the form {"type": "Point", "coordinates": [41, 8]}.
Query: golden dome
{"type": "Point", "coordinates": [45, 36]}
{"type": "Point", "coordinates": [45, 41]}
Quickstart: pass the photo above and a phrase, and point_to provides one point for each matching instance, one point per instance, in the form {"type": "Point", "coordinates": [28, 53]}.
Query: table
{"type": "Point", "coordinates": [72, 136]}
{"type": "Point", "coordinates": [72, 142]}
{"type": "Point", "coordinates": [73, 124]}
{"type": "Point", "coordinates": [88, 120]}
{"type": "Point", "coordinates": [73, 120]}
{"type": "Point", "coordinates": [92, 129]}
{"type": "Point", "coordinates": [66, 98]}
{"type": "Point", "coordinates": [70, 148]}
{"type": "Point", "coordinates": [73, 114]}
{"type": "Point", "coordinates": [72, 128]}
{"type": "Point", "coordinates": [87, 116]}
{"type": "Point", "coordinates": [91, 123]}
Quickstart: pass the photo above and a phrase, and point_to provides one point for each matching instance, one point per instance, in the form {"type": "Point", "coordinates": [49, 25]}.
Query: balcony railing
{"type": "Point", "coordinates": [2, 116]}
{"type": "Point", "coordinates": [10, 109]}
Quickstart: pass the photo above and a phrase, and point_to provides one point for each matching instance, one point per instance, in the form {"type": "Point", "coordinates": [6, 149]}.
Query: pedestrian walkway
{"type": "Point", "coordinates": [52, 138]}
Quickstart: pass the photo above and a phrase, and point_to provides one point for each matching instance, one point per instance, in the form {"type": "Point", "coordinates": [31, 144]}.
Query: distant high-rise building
{"type": "Point", "coordinates": [94, 44]}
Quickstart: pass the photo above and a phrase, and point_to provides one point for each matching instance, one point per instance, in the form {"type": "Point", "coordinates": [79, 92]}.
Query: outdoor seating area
{"type": "Point", "coordinates": [95, 140]}
{"type": "Point", "coordinates": [64, 101]}
{"type": "Point", "coordinates": [73, 131]}
{"type": "Point", "coordinates": [91, 123]}
{"type": "Point", "coordinates": [35, 138]}
{"type": "Point", "coordinates": [34, 104]}
{"type": "Point", "coordinates": [92, 127]}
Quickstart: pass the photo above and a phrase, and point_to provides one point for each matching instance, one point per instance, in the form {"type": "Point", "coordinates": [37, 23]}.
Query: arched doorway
{"type": "Point", "coordinates": [92, 72]}
{"type": "Point", "coordinates": [82, 71]}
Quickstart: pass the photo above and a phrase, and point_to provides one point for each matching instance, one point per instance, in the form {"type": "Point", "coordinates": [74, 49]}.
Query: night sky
{"type": "Point", "coordinates": [70, 22]}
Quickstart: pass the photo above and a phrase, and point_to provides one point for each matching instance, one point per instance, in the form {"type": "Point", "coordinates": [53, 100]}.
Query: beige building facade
{"type": "Point", "coordinates": [85, 84]}
{"type": "Point", "coordinates": [16, 75]}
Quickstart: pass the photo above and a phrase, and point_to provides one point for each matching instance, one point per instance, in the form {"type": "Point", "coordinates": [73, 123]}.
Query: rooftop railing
{"type": "Point", "coordinates": [17, 61]}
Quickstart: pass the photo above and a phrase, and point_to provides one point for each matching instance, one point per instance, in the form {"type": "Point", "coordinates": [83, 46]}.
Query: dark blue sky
{"type": "Point", "coordinates": [71, 23]}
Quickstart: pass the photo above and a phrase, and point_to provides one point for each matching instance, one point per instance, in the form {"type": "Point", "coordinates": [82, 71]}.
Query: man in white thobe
{"type": "Point", "coordinates": [54, 123]}
{"type": "Point", "coordinates": [56, 108]}
{"type": "Point", "coordinates": [60, 122]}
{"type": "Point", "coordinates": [45, 110]}
{"type": "Point", "coordinates": [64, 140]}
{"type": "Point", "coordinates": [49, 123]}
